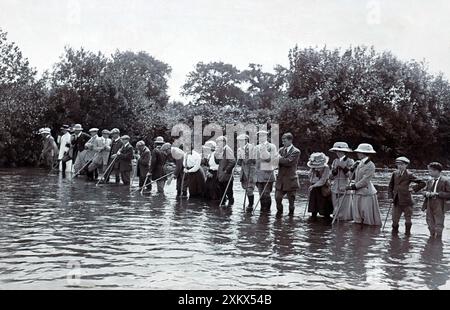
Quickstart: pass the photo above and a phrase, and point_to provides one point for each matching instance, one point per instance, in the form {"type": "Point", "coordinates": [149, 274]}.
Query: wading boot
{"type": "Point", "coordinates": [394, 229]}
{"type": "Point", "coordinates": [408, 229]}
{"type": "Point", "coordinates": [251, 199]}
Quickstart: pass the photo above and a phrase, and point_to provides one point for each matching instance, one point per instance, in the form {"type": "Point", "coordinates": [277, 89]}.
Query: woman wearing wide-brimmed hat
{"type": "Point", "coordinates": [365, 203]}
{"type": "Point", "coordinates": [340, 177]}
{"type": "Point", "coordinates": [319, 194]}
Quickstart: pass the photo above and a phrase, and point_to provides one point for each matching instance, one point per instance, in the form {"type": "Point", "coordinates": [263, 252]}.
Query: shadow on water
{"type": "Point", "coordinates": [62, 233]}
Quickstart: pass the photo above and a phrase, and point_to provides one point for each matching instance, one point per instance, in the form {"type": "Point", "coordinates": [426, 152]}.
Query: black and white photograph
{"type": "Point", "coordinates": [209, 147]}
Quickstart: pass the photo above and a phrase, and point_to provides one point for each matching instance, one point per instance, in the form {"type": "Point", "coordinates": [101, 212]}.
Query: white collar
{"type": "Point", "coordinates": [342, 158]}
{"type": "Point", "coordinates": [364, 160]}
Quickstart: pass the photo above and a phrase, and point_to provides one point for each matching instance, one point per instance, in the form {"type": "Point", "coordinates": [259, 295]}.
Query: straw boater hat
{"type": "Point", "coordinates": [45, 131]}
{"type": "Point", "coordinates": [77, 127]}
{"type": "Point", "coordinates": [262, 132]}
{"type": "Point", "coordinates": [341, 147]}
{"type": "Point", "coordinates": [65, 127]}
{"type": "Point", "coordinates": [365, 148]}
{"type": "Point", "coordinates": [115, 131]}
{"type": "Point", "coordinates": [318, 160]}
{"type": "Point", "coordinates": [243, 137]}
{"type": "Point", "coordinates": [106, 131]}
{"type": "Point", "coordinates": [93, 130]}
{"type": "Point", "coordinates": [210, 144]}
{"type": "Point", "coordinates": [159, 140]}
{"type": "Point", "coordinates": [402, 159]}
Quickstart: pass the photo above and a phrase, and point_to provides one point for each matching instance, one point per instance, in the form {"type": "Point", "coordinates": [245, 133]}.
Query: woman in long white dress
{"type": "Point", "coordinates": [365, 202]}
{"type": "Point", "coordinates": [340, 177]}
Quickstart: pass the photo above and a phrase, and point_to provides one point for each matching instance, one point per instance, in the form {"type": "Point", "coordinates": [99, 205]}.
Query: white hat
{"type": "Point", "coordinates": [45, 131]}
{"type": "Point", "coordinates": [340, 147]}
{"type": "Point", "coordinates": [318, 160]}
{"type": "Point", "coordinates": [93, 130]}
{"type": "Point", "coordinates": [262, 132]}
{"type": "Point", "coordinates": [243, 137]}
{"type": "Point", "coordinates": [210, 144]}
{"type": "Point", "coordinates": [365, 148]}
{"type": "Point", "coordinates": [402, 159]}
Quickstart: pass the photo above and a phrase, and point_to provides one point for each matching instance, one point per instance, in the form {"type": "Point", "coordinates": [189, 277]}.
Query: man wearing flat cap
{"type": "Point", "coordinates": [266, 162]}
{"type": "Point", "coordinates": [143, 164]}
{"type": "Point", "coordinates": [116, 145]}
{"type": "Point", "coordinates": [247, 161]}
{"type": "Point", "coordinates": [400, 193]}
{"type": "Point", "coordinates": [65, 164]}
{"type": "Point", "coordinates": [124, 159]}
{"type": "Point", "coordinates": [78, 141]}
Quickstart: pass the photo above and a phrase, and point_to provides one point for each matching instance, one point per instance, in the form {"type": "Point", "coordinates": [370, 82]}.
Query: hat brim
{"type": "Point", "coordinates": [316, 166]}
{"type": "Point", "coordinates": [341, 150]}
{"type": "Point", "coordinates": [159, 142]}
{"type": "Point", "coordinates": [364, 152]}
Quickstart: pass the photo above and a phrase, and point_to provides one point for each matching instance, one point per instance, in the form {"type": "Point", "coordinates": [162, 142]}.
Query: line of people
{"type": "Point", "coordinates": [343, 190]}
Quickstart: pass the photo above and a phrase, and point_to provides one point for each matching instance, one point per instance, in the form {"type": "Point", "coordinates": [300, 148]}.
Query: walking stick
{"type": "Point", "coordinates": [387, 215]}
{"type": "Point", "coordinates": [106, 171]}
{"type": "Point", "coordinates": [245, 192]}
{"type": "Point", "coordinates": [84, 167]}
{"type": "Point", "coordinates": [336, 215]}
{"type": "Point", "coordinates": [307, 204]}
{"type": "Point", "coordinates": [262, 193]}
{"type": "Point", "coordinates": [146, 184]}
{"type": "Point", "coordinates": [229, 181]}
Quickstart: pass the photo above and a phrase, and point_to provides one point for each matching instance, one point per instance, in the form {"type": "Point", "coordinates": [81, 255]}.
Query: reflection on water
{"type": "Point", "coordinates": [57, 233]}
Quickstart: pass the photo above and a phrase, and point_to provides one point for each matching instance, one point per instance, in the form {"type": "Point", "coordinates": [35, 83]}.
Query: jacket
{"type": "Point", "coordinates": [158, 162]}
{"type": "Point", "coordinates": [143, 163]}
{"type": "Point", "coordinates": [287, 179]}
{"type": "Point", "coordinates": [399, 187]}
{"type": "Point", "coordinates": [340, 174]}
{"type": "Point", "coordinates": [247, 161]}
{"type": "Point", "coordinates": [363, 176]}
{"type": "Point", "coordinates": [226, 163]}
{"type": "Point", "coordinates": [115, 147]}
{"type": "Point", "coordinates": [124, 159]}
{"type": "Point", "coordinates": [443, 190]}
{"type": "Point", "coordinates": [266, 156]}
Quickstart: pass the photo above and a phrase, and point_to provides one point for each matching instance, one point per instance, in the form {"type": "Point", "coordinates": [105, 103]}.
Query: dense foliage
{"type": "Point", "coordinates": [356, 95]}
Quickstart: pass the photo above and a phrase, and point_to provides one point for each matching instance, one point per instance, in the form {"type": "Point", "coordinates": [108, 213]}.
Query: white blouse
{"type": "Point", "coordinates": [192, 161]}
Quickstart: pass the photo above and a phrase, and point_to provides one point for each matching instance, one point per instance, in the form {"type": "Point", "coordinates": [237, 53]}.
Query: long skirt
{"type": "Point", "coordinates": [343, 202]}
{"type": "Point", "coordinates": [196, 184]}
{"type": "Point", "coordinates": [366, 210]}
{"type": "Point", "coordinates": [212, 189]}
{"type": "Point", "coordinates": [319, 204]}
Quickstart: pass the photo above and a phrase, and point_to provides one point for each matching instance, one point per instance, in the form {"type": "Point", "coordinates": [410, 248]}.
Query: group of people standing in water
{"type": "Point", "coordinates": [341, 191]}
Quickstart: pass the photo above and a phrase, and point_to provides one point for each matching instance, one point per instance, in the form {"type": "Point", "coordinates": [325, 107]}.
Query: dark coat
{"type": "Point", "coordinates": [157, 163]}
{"type": "Point", "coordinates": [287, 179]}
{"type": "Point", "coordinates": [124, 159]}
{"type": "Point", "coordinates": [247, 161]}
{"type": "Point", "coordinates": [443, 189]}
{"type": "Point", "coordinates": [226, 164]}
{"type": "Point", "coordinates": [399, 187]}
{"type": "Point", "coordinates": [78, 143]}
{"type": "Point", "coordinates": [143, 164]}
{"type": "Point", "coordinates": [115, 147]}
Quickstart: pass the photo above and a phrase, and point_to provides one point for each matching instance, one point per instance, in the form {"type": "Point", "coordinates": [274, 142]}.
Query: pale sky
{"type": "Point", "coordinates": [184, 32]}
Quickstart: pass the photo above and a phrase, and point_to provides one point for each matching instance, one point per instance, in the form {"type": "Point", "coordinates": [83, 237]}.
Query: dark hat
{"type": "Point", "coordinates": [65, 127]}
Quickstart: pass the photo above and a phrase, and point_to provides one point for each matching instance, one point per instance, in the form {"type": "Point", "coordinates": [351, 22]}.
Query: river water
{"type": "Point", "coordinates": [61, 234]}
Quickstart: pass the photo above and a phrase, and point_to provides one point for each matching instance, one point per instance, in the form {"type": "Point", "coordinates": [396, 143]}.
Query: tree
{"type": "Point", "coordinates": [21, 106]}
{"type": "Point", "coordinates": [215, 83]}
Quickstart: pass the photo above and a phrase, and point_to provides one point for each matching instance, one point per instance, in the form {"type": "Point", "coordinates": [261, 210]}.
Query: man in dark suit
{"type": "Point", "coordinates": [157, 164]}
{"type": "Point", "coordinates": [116, 145]}
{"type": "Point", "coordinates": [143, 164]}
{"type": "Point", "coordinates": [124, 159]}
{"type": "Point", "coordinates": [224, 157]}
{"type": "Point", "coordinates": [287, 180]}
{"type": "Point", "coordinates": [437, 192]}
{"type": "Point", "coordinates": [401, 194]}
{"type": "Point", "coordinates": [78, 141]}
